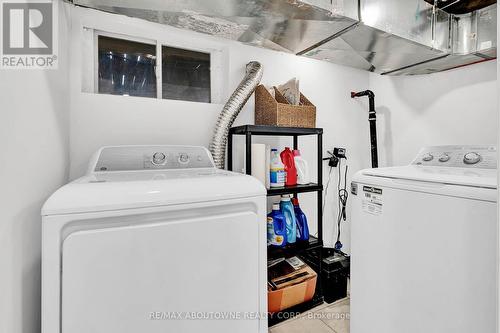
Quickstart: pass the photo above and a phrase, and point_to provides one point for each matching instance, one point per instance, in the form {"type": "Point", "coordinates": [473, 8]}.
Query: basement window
{"type": "Point", "coordinates": [126, 67]}
{"type": "Point", "coordinates": [148, 68]}
{"type": "Point", "coordinates": [186, 75]}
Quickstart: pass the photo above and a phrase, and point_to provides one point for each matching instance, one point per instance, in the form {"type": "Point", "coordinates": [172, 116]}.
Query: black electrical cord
{"type": "Point", "coordinates": [343, 196]}
{"type": "Point", "coordinates": [326, 188]}
{"type": "Point", "coordinates": [326, 192]}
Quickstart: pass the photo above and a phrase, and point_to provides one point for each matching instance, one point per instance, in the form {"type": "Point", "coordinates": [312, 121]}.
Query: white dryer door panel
{"type": "Point", "coordinates": [140, 278]}
{"type": "Point", "coordinates": [422, 262]}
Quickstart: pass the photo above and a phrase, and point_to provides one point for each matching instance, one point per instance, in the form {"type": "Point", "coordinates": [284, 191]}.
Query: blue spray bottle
{"type": "Point", "coordinates": [291, 222]}
{"type": "Point", "coordinates": [276, 227]}
{"type": "Point", "coordinates": [302, 227]}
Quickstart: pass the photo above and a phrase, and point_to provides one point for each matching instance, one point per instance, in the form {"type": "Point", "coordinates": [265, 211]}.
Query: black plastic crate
{"type": "Point", "coordinates": [334, 273]}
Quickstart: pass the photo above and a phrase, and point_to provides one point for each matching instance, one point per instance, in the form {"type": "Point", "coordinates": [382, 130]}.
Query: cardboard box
{"type": "Point", "coordinates": [294, 294]}
{"type": "Point", "coordinates": [278, 112]}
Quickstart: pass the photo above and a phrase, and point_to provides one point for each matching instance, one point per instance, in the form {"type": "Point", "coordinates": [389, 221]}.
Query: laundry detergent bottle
{"type": "Point", "coordinates": [286, 207]}
{"type": "Point", "coordinates": [277, 169]}
{"type": "Point", "coordinates": [291, 171]}
{"type": "Point", "coordinates": [302, 168]}
{"type": "Point", "coordinates": [276, 227]}
{"type": "Point", "coordinates": [302, 227]}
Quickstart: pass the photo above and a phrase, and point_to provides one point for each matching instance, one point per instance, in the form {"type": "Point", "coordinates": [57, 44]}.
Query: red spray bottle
{"type": "Point", "coordinates": [290, 169]}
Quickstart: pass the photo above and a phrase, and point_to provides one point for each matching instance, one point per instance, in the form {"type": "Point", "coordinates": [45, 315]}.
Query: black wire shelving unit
{"type": "Point", "coordinates": [292, 249]}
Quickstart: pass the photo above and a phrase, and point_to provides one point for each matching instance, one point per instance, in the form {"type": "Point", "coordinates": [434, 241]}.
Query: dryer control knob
{"type": "Point", "coordinates": [427, 157]}
{"type": "Point", "coordinates": [183, 158]}
{"type": "Point", "coordinates": [444, 158]}
{"type": "Point", "coordinates": [472, 158]}
{"type": "Point", "coordinates": [159, 158]}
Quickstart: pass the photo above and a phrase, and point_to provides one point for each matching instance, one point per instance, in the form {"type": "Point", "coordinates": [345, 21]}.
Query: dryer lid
{"type": "Point", "coordinates": [141, 189]}
{"type": "Point", "coordinates": [484, 178]}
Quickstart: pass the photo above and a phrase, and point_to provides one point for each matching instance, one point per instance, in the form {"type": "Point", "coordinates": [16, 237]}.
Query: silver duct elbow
{"type": "Point", "coordinates": [231, 110]}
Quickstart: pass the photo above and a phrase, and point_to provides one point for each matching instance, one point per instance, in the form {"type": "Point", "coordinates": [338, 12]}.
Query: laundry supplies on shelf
{"type": "Point", "coordinates": [277, 171]}
{"type": "Point", "coordinates": [302, 227]}
{"type": "Point", "coordinates": [286, 207]}
{"type": "Point", "coordinates": [290, 169]}
{"type": "Point", "coordinates": [276, 227]}
{"type": "Point", "coordinates": [303, 177]}
{"type": "Point", "coordinates": [288, 300]}
{"type": "Point", "coordinates": [290, 282]}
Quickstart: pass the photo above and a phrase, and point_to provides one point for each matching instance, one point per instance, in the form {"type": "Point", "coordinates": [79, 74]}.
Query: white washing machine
{"type": "Point", "coordinates": [424, 244]}
{"type": "Point", "coordinates": [155, 239]}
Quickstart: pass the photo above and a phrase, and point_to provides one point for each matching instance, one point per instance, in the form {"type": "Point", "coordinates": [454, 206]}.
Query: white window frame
{"type": "Point", "coordinates": [90, 64]}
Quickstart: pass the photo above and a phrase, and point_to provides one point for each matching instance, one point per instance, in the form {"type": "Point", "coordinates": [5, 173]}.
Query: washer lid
{"type": "Point", "coordinates": [484, 178]}
{"type": "Point", "coordinates": [139, 189]}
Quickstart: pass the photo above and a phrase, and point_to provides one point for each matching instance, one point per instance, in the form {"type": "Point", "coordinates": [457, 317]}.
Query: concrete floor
{"type": "Point", "coordinates": [326, 318]}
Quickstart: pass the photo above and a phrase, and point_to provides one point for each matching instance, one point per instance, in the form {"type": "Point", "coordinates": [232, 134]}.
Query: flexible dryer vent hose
{"type": "Point", "coordinates": [231, 110]}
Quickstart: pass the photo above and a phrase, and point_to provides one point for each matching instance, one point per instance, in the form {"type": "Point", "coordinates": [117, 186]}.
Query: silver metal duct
{"type": "Point", "coordinates": [391, 34]}
{"type": "Point", "coordinates": [231, 110]}
{"type": "Point", "coordinates": [282, 25]}
{"type": "Point", "coordinates": [391, 37]}
{"type": "Point", "coordinates": [408, 37]}
{"type": "Point", "coordinates": [473, 39]}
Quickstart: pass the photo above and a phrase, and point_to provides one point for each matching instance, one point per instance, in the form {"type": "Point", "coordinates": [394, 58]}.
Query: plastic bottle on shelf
{"type": "Point", "coordinates": [302, 168]}
{"type": "Point", "coordinates": [276, 227]}
{"type": "Point", "coordinates": [290, 170]}
{"type": "Point", "coordinates": [277, 170]}
{"type": "Point", "coordinates": [288, 211]}
{"type": "Point", "coordinates": [302, 226]}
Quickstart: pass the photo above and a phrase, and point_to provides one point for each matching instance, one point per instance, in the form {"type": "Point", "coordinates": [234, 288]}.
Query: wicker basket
{"type": "Point", "coordinates": [278, 112]}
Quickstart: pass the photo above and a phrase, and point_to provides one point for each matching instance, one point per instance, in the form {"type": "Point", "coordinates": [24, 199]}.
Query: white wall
{"type": "Point", "coordinates": [98, 120]}
{"type": "Point", "coordinates": [48, 122]}
{"type": "Point", "coordinates": [453, 107]}
{"type": "Point", "coordinates": [498, 187]}
{"type": "Point", "coordinates": [35, 157]}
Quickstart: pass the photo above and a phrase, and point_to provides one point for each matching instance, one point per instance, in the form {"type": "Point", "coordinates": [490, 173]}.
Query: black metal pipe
{"type": "Point", "coordinates": [372, 118]}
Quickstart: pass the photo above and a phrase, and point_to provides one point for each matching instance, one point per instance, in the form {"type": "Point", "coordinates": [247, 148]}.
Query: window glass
{"type": "Point", "coordinates": [185, 75]}
{"type": "Point", "coordinates": [126, 67]}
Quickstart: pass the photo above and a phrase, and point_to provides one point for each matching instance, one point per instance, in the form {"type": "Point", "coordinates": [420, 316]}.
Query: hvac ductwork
{"type": "Point", "coordinates": [409, 37]}
{"type": "Point", "coordinates": [385, 36]}
{"type": "Point", "coordinates": [473, 39]}
{"type": "Point", "coordinates": [231, 110]}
